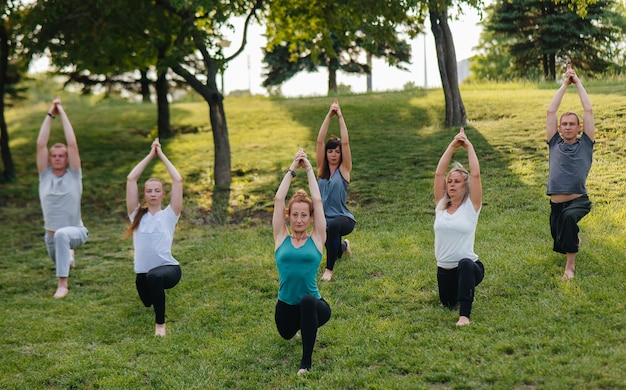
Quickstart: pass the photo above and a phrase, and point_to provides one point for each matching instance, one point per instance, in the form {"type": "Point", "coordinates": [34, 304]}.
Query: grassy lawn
{"type": "Point", "coordinates": [388, 330]}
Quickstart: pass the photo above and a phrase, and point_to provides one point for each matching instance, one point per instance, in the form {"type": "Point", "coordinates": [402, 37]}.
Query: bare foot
{"type": "Point", "coordinates": [61, 292]}
{"type": "Point", "coordinates": [328, 274]}
{"type": "Point", "coordinates": [62, 288]}
{"type": "Point", "coordinates": [347, 249]}
{"type": "Point", "coordinates": [302, 371]}
{"type": "Point", "coordinates": [72, 263]}
{"type": "Point", "coordinates": [568, 275]}
{"type": "Point", "coordinates": [159, 330]}
{"type": "Point", "coordinates": [463, 321]}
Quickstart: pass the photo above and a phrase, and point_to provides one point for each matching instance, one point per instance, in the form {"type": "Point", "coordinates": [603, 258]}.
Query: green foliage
{"type": "Point", "coordinates": [305, 35]}
{"type": "Point", "coordinates": [388, 330]}
{"type": "Point", "coordinates": [534, 38]}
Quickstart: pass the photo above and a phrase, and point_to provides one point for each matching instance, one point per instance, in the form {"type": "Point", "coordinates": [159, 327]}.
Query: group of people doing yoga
{"type": "Point", "coordinates": [310, 222]}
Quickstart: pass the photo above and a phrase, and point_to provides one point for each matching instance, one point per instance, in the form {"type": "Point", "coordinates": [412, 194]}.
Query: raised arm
{"type": "Point", "coordinates": [132, 190]}
{"type": "Point", "coordinates": [320, 146]}
{"type": "Point", "coordinates": [475, 184]}
{"type": "Point", "coordinates": [176, 196]}
{"type": "Point", "coordinates": [70, 138]}
{"type": "Point", "coordinates": [318, 234]}
{"type": "Point", "coordinates": [552, 121]}
{"type": "Point", "coordinates": [439, 188]}
{"type": "Point", "coordinates": [279, 223]}
{"type": "Point", "coordinates": [44, 136]}
{"type": "Point", "coordinates": [346, 154]}
{"type": "Point", "coordinates": [588, 121]}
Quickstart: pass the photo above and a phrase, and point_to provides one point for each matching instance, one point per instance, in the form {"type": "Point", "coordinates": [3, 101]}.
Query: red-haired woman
{"type": "Point", "coordinates": [298, 256]}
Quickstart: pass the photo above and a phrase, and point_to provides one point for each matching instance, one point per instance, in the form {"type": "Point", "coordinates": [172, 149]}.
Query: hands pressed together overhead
{"type": "Point", "coordinates": [335, 109]}
{"type": "Point", "coordinates": [461, 140]}
{"type": "Point", "coordinates": [301, 161]}
{"type": "Point", "coordinates": [570, 76]}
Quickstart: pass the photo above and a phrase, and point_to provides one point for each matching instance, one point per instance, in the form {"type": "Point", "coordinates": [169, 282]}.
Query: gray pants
{"type": "Point", "coordinates": [59, 245]}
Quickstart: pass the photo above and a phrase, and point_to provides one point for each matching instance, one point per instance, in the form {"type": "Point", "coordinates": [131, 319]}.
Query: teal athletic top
{"type": "Point", "coordinates": [297, 270]}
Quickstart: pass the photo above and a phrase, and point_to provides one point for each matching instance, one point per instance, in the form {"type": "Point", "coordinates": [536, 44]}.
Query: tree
{"type": "Point", "coordinates": [196, 56]}
{"type": "Point", "coordinates": [281, 67]}
{"type": "Point", "coordinates": [446, 60]}
{"type": "Point", "coordinates": [303, 36]}
{"type": "Point", "coordinates": [543, 36]}
{"type": "Point", "coordinates": [183, 36]}
{"type": "Point", "coordinates": [11, 70]}
{"type": "Point", "coordinates": [102, 44]}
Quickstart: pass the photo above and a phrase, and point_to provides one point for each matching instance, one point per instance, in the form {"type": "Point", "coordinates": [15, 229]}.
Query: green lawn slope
{"type": "Point", "coordinates": [388, 331]}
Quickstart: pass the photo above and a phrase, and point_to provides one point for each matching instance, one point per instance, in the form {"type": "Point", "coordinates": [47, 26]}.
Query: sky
{"type": "Point", "coordinates": [246, 71]}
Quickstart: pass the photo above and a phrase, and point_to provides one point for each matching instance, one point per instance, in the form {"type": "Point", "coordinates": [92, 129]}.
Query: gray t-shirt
{"type": "Point", "coordinates": [60, 198]}
{"type": "Point", "coordinates": [334, 192]}
{"type": "Point", "coordinates": [569, 165]}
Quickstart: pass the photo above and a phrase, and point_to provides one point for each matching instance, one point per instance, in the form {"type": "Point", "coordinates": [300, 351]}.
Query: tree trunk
{"type": "Point", "coordinates": [333, 65]}
{"type": "Point", "coordinates": [223, 178]}
{"type": "Point", "coordinates": [163, 105]}
{"type": "Point", "coordinates": [145, 86]}
{"type": "Point", "coordinates": [8, 173]}
{"type": "Point", "coordinates": [552, 64]}
{"type": "Point", "coordinates": [222, 169]}
{"type": "Point", "coordinates": [446, 60]}
{"type": "Point", "coordinates": [369, 75]}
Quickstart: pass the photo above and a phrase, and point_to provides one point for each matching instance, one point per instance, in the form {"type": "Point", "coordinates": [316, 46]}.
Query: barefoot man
{"type": "Point", "coordinates": [60, 190]}
{"type": "Point", "coordinates": [569, 164]}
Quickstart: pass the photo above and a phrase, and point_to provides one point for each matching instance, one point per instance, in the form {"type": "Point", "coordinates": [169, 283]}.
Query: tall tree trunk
{"type": "Point", "coordinates": [446, 60]}
{"type": "Point", "coordinates": [223, 177]}
{"type": "Point", "coordinates": [163, 105]}
{"type": "Point", "coordinates": [368, 58]}
{"type": "Point", "coordinates": [222, 169]}
{"type": "Point", "coordinates": [333, 65]}
{"type": "Point", "coordinates": [145, 86]}
{"type": "Point", "coordinates": [8, 173]}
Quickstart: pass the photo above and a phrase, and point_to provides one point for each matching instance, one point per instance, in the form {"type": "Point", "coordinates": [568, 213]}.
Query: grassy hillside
{"type": "Point", "coordinates": [529, 329]}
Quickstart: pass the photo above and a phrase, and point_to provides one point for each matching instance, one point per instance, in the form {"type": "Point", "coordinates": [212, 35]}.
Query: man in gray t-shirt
{"type": "Point", "coordinates": [60, 191]}
{"type": "Point", "coordinates": [569, 164]}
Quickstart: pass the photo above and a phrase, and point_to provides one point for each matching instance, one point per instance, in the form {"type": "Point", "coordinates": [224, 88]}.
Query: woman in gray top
{"type": "Point", "coordinates": [334, 164]}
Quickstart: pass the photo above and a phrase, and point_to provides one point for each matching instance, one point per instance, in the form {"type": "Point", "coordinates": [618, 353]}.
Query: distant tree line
{"type": "Point", "coordinates": [149, 48]}
{"type": "Point", "coordinates": [534, 39]}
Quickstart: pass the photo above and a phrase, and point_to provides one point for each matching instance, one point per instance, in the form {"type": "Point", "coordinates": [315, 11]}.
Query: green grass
{"type": "Point", "coordinates": [388, 330]}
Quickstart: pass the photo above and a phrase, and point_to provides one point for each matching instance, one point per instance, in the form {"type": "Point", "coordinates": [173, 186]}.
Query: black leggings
{"type": "Point", "coordinates": [457, 284]}
{"type": "Point", "coordinates": [151, 287]}
{"type": "Point", "coordinates": [564, 219]}
{"type": "Point", "coordinates": [309, 315]}
{"type": "Point", "coordinates": [335, 229]}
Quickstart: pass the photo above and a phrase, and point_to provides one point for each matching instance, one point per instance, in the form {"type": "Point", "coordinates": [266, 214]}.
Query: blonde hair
{"type": "Point", "coordinates": [456, 167]}
{"type": "Point", "coordinates": [140, 213]}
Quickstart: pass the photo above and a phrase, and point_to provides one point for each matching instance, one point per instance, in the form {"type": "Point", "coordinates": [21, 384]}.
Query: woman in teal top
{"type": "Point", "coordinates": [298, 257]}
